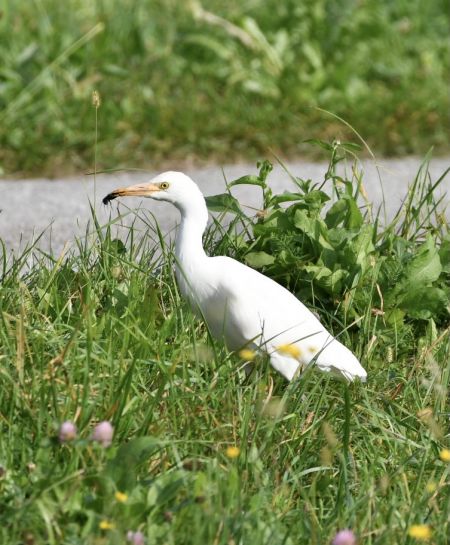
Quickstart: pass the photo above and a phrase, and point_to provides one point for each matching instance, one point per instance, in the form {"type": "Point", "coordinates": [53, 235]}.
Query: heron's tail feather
{"type": "Point", "coordinates": [337, 359]}
{"type": "Point", "coordinates": [333, 358]}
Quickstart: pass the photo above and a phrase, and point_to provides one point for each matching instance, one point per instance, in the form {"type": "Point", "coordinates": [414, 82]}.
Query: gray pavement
{"type": "Point", "coordinates": [61, 207]}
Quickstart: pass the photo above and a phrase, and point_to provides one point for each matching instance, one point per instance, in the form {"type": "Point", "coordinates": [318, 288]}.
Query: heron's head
{"type": "Point", "coordinates": [174, 187]}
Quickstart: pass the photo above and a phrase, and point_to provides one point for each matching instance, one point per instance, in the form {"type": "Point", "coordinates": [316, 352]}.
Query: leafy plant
{"type": "Point", "coordinates": [322, 243]}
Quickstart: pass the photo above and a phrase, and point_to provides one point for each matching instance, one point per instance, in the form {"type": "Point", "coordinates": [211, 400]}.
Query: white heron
{"type": "Point", "coordinates": [240, 305]}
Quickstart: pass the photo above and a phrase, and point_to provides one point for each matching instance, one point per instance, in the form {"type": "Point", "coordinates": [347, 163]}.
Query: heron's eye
{"type": "Point", "coordinates": [164, 185]}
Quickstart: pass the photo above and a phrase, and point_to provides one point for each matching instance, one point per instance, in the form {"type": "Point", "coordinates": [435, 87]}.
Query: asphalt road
{"type": "Point", "coordinates": [61, 208]}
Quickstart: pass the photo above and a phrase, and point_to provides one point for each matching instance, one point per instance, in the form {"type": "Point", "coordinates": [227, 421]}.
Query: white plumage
{"type": "Point", "coordinates": [239, 304]}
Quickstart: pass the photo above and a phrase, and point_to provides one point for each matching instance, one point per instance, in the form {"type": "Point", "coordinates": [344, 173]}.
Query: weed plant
{"type": "Point", "coordinates": [200, 454]}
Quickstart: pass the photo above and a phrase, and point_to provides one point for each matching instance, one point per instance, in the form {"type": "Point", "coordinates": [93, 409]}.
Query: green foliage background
{"type": "Point", "coordinates": [180, 80]}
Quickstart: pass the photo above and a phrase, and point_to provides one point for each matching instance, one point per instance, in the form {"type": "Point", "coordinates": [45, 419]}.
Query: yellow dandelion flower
{"type": "Point", "coordinates": [247, 354]}
{"type": "Point", "coordinates": [106, 525]}
{"type": "Point", "coordinates": [431, 487]}
{"type": "Point", "coordinates": [289, 350]}
{"type": "Point", "coordinates": [232, 452]}
{"type": "Point", "coordinates": [444, 455]}
{"type": "Point", "coordinates": [121, 497]}
{"type": "Point", "coordinates": [421, 532]}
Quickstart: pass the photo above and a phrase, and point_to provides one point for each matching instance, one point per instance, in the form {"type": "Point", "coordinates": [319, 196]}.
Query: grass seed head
{"type": "Point", "coordinates": [96, 100]}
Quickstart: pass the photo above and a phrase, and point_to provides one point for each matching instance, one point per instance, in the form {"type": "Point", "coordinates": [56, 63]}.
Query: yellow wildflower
{"type": "Point", "coordinates": [121, 497]}
{"type": "Point", "coordinates": [421, 532]}
{"type": "Point", "coordinates": [444, 455]}
{"type": "Point", "coordinates": [289, 350]}
{"type": "Point", "coordinates": [431, 487]}
{"type": "Point", "coordinates": [247, 354]}
{"type": "Point", "coordinates": [232, 452]}
{"type": "Point", "coordinates": [106, 525]}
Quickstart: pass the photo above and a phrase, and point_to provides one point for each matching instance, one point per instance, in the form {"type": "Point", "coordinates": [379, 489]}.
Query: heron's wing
{"type": "Point", "coordinates": [261, 309]}
{"type": "Point", "coordinates": [258, 304]}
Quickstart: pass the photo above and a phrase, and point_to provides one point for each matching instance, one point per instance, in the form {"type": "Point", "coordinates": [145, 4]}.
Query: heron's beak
{"type": "Point", "coordinates": [139, 190]}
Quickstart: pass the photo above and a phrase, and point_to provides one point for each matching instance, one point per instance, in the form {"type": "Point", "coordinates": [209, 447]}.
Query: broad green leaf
{"type": "Point", "coordinates": [124, 466]}
{"type": "Point", "coordinates": [395, 317]}
{"type": "Point", "coordinates": [259, 259]}
{"type": "Point", "coordinates": [223, 203]}
{"type": "Point", "coordinates": [444, 253]}
{"type": "Point", "coordinates": [330, 281]}
{"type": "Point", "coordinates": [338, 237]}
{"type": "Point", "coordinates": [352, 146]}
{"type": "Point", "coordinates": [285, 197]}
{"type": "Point", "coordinates": [315, 199]}
{"type": "Point", "coordinates": [425, 267]}
{"type": "Point", "coordinates": [336, 214]}
{"type": "Point", "coordinates": [277, 222]}
{"type": "Point", "coordinates": [313, 227]}
{"type": "Point", "coordinates": [354, 218]}
{"type": "Point", "coordinates": [362, 245]}
{"type": "Point", "coordinates": [303, 222]}
{"type": "Point", "coordinates": [248, 180]}
{"type": "Point", "coordinates": [424, 302]}
{"type": "Point", "coordinates": [345, 211]}
{"type": "Point", "coordinates": [321, 143]}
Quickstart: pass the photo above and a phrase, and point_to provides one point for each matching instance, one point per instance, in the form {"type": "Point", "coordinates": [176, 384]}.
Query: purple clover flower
{"type": "Point", "coordinates": [103, 433]}
{"type": "Point", "coordinates": [67, 432]}
{"type": "Point", "coordinates": [344, 537]}
{"type": "Point", "coordinates": [135, 538]}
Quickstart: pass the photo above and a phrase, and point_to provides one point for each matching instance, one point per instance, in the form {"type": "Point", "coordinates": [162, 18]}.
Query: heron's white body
{"type": "Point", "coordinates": [242, 306]}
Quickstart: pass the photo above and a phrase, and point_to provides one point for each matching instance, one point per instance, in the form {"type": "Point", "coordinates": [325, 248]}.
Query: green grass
{"type": "Point", "coordinates": [230, 81]}
{"type": "Point", "coordinates": [101, 334]}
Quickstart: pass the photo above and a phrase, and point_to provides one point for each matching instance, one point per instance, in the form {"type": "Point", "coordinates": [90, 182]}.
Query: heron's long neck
{"type": "Point", "coordinates": [189, 244]}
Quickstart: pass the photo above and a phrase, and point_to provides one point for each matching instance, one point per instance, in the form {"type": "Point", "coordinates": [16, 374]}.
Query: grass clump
{"type": "Point", "coordinates": [101, 336]}
{"type": "Point", "coordinates": [182, 79]}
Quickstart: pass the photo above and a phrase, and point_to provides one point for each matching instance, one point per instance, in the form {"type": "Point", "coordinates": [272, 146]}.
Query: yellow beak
{"type": "Point", "coordinates": [139, 190]}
